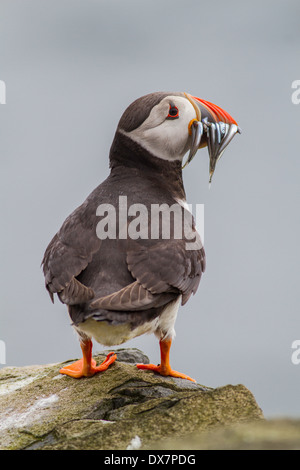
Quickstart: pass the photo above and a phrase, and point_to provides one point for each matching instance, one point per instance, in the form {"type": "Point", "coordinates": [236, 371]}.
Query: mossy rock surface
{"type": "Point", "coordinates": [42, 409]}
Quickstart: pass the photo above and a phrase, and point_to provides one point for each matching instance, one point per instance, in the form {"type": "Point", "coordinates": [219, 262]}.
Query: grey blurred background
{"type": "Point", "coordinates": [71, 68]}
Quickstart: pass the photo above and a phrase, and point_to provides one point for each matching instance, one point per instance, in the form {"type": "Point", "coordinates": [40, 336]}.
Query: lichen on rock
{"type": "Point", "coordinates": [42, 409]}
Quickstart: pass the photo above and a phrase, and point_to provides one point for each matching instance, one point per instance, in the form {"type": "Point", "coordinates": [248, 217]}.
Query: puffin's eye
{"type": "Point", "coordinates": [173, 113]}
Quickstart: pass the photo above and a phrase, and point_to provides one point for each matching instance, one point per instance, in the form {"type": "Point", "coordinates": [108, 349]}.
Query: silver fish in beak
{"type": "Point", "coordinates": [214, 128]}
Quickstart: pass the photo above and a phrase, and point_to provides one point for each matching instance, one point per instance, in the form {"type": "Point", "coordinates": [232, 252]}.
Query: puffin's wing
{"type": "Point", "coordinates": [69, 253]}
{"type": "Point", "coordinates": [132, 298]}
{"type": "Point", "coordinates": [167, 266]}
{"type": "Point", "coordinates": [162, 272]}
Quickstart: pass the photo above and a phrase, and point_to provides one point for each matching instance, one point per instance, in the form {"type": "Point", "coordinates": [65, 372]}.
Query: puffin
{"type": "Point", "coordinates": [126, 259]}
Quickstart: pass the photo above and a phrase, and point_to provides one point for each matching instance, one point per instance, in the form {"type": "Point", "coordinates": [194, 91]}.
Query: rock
{"type": "Point", "coordinates": [275, 434]}
{"type": "Point", "coordinates": [121, 408]}
{"type": "Point", "coordinates": [131, 356]}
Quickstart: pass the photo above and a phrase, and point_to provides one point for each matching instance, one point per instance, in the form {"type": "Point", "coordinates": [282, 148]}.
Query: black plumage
{"type": "Point", "coordinates": [163, 268]}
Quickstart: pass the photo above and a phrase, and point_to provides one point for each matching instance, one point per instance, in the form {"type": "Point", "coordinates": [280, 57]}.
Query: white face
{"type": "Point", "coordinates": [165, 137]}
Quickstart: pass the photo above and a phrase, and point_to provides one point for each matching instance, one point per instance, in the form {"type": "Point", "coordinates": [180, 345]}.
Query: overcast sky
{"type": "Point", "coordinates": [70, 69]}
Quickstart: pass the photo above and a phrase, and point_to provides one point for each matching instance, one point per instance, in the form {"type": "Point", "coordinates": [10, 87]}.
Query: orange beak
{"type": "Point", "coordinates": [217, 113]}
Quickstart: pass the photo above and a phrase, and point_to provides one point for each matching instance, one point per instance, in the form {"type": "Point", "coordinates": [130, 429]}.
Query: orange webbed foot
{"type": "Point", "coordinates": [164, 371]}
{"type": "Point", "coordinates": [86, 367]}
{"type": "Point", "coordinates": [164, 367]}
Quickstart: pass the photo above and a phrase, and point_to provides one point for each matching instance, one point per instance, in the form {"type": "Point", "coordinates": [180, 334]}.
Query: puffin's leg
{"type": "Point", "coordinates": [86, 367]}
{"type": "Point", "coordinates": [164, 367]}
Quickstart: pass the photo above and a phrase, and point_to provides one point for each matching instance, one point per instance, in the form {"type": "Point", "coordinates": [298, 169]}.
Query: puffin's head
{"type": "Point", "coordinates": [168, 125]}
